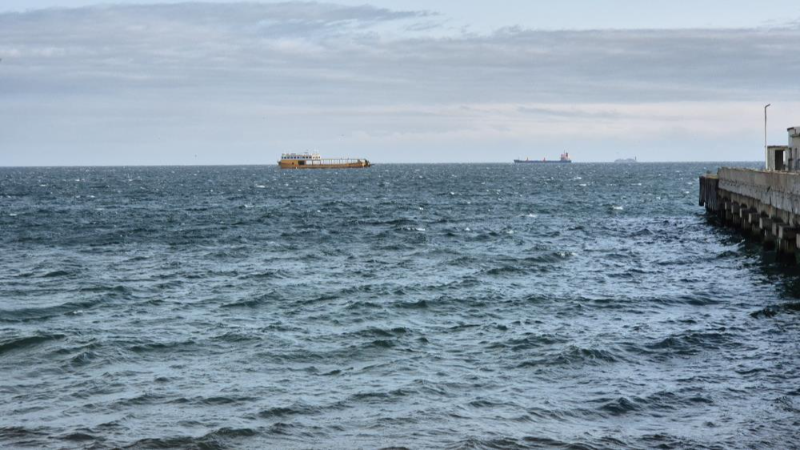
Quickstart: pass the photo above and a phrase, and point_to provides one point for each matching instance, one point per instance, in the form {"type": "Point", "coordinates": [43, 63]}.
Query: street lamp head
{"type": "Point", "coordinates": [767, 106]}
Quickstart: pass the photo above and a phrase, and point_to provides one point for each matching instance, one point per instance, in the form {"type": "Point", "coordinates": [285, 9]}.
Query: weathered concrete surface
{"type": "Point", "coordinates": [708, 192]}
{"type": "Point", "coordinates": [779, 190]}
{"type": "Point", "coordinates": [764, 205]}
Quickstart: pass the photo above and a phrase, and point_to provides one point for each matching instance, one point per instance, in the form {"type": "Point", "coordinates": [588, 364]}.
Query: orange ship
{"type": "Point", "coordinates": [314, 161]}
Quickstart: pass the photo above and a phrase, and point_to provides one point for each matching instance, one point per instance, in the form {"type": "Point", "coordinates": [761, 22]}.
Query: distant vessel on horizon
{"type": "Point", "coordinates": [315, 161]}
{"type": "Point", "coordinates": [626, 160]}
{"type": "Point", "coordinates": [565, 159]}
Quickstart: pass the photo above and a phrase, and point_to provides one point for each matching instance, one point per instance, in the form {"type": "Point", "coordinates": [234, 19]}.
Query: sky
{"type": "Point", "coordinates": [225, 82]}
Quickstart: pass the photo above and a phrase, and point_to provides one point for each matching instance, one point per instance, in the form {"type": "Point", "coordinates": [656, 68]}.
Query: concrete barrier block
{"type": "Point", "coordinates": [787, 233]}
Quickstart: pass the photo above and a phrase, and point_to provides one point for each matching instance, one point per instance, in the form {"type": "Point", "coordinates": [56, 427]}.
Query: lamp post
{"type": "Point", "coordinates": [766, 150]}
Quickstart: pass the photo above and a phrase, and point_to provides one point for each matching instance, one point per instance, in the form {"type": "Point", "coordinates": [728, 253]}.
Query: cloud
{"type": "Point", "coordinates": [350, 53]}
{"type": "Point", "coordinates": [374, 72]}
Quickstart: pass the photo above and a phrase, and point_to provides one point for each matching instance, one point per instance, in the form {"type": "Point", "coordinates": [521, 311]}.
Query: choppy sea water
{"type": "Point", "coordinates": [417, 306]}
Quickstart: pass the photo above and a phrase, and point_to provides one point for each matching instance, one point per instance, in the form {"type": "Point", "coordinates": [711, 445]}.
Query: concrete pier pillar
{"type": "Point", "coordinates": [797, 246]}
{"type": "Point", "coordinates": [736, 219]}
{"type": "Point", "coordinates": [751, 220]}
{"type": "Point", "coordinates": [765, 224]}
{"type": "Point", "coordinates": [776, 226]}
{"type": "Point", "coordinates": [787, 240]}
{"type": "Point", "coordinates": [728, 217]}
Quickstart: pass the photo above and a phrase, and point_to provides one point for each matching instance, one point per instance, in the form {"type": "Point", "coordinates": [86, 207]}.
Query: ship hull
{"type": "Point", "coordinates": [518, 161]}
{"type": "Point", "coordinates": [294, 165]}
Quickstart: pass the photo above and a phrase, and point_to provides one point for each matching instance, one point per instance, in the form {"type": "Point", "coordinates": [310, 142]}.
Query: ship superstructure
{"type": "Point", "coordinates": [565, 159]}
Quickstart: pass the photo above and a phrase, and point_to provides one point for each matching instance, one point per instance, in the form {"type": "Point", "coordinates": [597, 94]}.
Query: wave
{"type": "Point", "coordinates": [464, 261]}
{"type": "Point", "coordinates": [420, 304]}
{"type": "Point", "coordinates": [772, 311]}
{"type": "Point", "coordinates": [394, 223]}
{"type": "Point", "coordinates": [541, 263]}
{"type": "Point", "coordinates": [118, 289]}
{"type": "Point", "coordinates": [44, 313]}
{"type": "Point", "coordinates": [27, 437]}
{"type": "Point", "coordinates": [621, 406]}
{"type": "Point", "coordinates": [362, 305]}
{"type": "Point", "coordinates": [529, 342]}
{"type": "Point", "coordinates": [690, 343]}
{"type": "Point", "coordinates": [218, 439]}
{"type": "Point", "coordinates": [266, 275]}
{"type": "Point", "coordinates": [81, 436]}
{"type": "Point", "coordinates": [282, 412]}
{"type": "Point", "coordinates": [213, 401]}
{"type": "Point", "coordinates": [573, 356]}
{"type": "Point", "coordinates": [58, 274]}
{"type": "Point", "coordinates": [525, 443]}
{"type": "Point", "coordinates": [140, 400]}
{"type": "Point", "coordinates": [506, 270]}
{"type": "Point", "coordinates": [83, 359]}
{"type": "Point", "coordinates": [381, 343]}
{"type": "Point", "coordinates": [232, 433]}
{"type": "Point", "coordinates": [27, 342]}
{"type": "Point", "coordinates": [379, 397]}
{"type": "Point", "coordinates": [163, 346]}
{"type": "Point", "coordinates": [261, 300]}
{"type": "Point", "coordinates": [382, 333]}
{"type": "Point", "coordinates": [234, 337]}
{"type": "Point", "coordinates": [658, 403]}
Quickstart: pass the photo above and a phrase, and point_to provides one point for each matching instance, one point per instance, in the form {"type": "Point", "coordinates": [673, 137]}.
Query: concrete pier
{"type": "Point", "coordinates": [763, 205]}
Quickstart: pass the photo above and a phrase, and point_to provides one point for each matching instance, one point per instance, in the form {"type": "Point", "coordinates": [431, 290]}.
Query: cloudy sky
{"type": "Point", "coordinates": [133, 82]}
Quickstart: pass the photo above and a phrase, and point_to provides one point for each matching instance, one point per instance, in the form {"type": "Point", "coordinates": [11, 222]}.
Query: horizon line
{"type": "Point", "coordinates": [43, 166]}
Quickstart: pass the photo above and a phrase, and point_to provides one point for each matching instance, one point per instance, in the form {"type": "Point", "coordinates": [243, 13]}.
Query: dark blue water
{"type": "Point", "coordinates": [418, 306]}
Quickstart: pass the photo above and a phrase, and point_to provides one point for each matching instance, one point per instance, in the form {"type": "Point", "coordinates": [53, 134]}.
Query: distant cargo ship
{"type": "Point", "coordinates": [565, 159]}
{"type": "Point", "coordinates": [626, 160]}
{"type": "Point", "coordinates": [315, 161]}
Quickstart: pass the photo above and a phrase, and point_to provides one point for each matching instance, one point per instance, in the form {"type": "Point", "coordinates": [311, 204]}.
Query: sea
{"type": "Point", "coordinates": [441, 306]}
